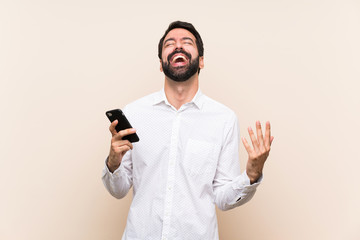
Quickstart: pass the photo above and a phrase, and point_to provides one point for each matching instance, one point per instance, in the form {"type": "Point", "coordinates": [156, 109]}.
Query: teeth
{"type": "Point", "coordinates": [177, 57]}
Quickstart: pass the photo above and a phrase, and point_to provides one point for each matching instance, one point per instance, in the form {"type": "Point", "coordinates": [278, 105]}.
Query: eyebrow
{"type": "Point", "coordinates": [173, 39]}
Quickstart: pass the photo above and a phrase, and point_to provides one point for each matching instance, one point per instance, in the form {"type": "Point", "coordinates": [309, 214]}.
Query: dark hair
{"type": "Point", "coordinates": [190, 28]}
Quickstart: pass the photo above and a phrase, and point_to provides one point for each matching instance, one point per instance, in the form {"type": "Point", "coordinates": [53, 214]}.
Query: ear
{"type": "Point", "coordinates": [161, 69]}
{"type": "Point", "coordinates": [201, 62]}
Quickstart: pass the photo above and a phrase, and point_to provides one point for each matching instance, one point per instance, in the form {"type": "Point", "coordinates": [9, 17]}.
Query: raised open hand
{"type": "Point", "coordinates": [259, 151]}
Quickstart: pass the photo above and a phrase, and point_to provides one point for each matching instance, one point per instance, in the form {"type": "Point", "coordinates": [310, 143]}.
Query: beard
{"type": "Point", "coordinates": [181, 73]}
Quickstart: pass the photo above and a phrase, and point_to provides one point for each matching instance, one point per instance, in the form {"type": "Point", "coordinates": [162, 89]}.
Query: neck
{"type": "Point", "coordinates": [179, 93]}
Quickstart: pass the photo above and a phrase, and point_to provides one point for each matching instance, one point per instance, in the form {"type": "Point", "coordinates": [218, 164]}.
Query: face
{"type": "Point", "coordinates": [180, 58]}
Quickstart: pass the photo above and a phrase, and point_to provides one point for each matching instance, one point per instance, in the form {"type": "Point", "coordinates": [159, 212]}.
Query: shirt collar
{"type": "Point", "coordinates": [198, 99]}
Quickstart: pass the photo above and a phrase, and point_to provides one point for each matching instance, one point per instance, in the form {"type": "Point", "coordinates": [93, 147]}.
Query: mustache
{"type": "Point", "coordinates": [179, 51]}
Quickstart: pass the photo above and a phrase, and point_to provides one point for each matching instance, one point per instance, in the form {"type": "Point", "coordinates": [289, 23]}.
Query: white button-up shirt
{"type": "Point", "coordinates": [185, 162]}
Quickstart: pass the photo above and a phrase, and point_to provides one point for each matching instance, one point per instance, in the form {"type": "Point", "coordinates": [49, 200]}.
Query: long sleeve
{"type": "Point", "coordinates": [231, 188]}
{"type": "Point", "coordinates": [119, 182]}
{"type": "Point", "coordinates": [186, 161]}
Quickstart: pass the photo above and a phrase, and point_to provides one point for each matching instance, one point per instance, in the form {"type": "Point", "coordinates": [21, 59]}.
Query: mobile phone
{"type": "Point", "coordinates": [123, 123]}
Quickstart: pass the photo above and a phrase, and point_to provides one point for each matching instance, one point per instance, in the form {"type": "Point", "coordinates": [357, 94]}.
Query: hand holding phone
{"type": "Point", "coordinates": [122, 124]}
{"type": "Point", "coordinates": [122, 135]}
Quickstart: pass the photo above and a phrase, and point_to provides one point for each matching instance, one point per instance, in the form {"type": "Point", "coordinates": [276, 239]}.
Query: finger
{"type": "Point", "coordinates": [254, 141]}
{"type": "Point", "coordinates": [246, 145]}
{"type": "Point", "coordinates": [112, 127]}
{"type": "Point", "coordinates": [120, 143]}
{"type": "Point", "coordinates": [124, 149]}
{"type": "Point", "coordinates": [260, 137]}
{"type": "Point", "coordinates": [127, 143]}
{"type": "Point", "coordinates": [130, 144]}
{"type": "Point", "coordinates": [124, 133]}
{"type": "Point", "coordinates": [271, 140]}
{"type": "Point", "coordinates": [267, 135]}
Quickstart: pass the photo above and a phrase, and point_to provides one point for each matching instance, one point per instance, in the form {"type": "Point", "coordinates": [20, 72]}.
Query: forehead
{"type": "Point", "coordinates": [178, 33]}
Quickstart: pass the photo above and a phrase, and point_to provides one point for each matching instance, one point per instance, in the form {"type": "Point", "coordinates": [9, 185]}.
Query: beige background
{"type": "Point", "coordinates": [64, 63]}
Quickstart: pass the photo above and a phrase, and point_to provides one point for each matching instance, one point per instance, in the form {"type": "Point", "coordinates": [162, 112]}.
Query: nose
{"type": "Point", "coordinates": [178, 45]}
{"type": "Point", "coordinates": [180, 49]}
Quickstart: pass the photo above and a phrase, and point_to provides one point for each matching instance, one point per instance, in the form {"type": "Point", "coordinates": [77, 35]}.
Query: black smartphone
{"type": "Point", "coordinates": [123, 123]}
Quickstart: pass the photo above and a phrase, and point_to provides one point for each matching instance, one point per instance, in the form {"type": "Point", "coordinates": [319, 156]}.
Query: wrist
{"type": "Point", "coordinates": [111, 166]}
{"type": "Point", "coordinates": [253, 176]}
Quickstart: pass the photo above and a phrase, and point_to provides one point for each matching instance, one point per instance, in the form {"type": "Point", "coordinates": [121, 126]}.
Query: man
{"type": "Point", "coordinates": [187, 156]}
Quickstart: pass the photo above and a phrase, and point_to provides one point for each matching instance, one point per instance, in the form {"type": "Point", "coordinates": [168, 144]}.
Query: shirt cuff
{"type": "Point", "coordinates": [248, 179]}
{"type": "Point", "coordinates": [243, 186]}
{"type": "Point", "coordinates": [243, 182]}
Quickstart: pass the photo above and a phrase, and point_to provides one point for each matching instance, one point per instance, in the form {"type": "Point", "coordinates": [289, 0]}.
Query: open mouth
{"type": "Point", "coordinates": [179, 60]}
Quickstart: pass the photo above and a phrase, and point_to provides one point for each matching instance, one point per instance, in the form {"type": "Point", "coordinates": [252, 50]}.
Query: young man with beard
{"type": "Point", "coordinates": [187, 158]}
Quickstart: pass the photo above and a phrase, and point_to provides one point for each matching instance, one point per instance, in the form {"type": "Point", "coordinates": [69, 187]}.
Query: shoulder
{"type": "Point", "coordinates": [141, 103]}
{"type": "Point", "coordinates": [221, 116]}
{"type": "Point", "coordinates": [215, 107]}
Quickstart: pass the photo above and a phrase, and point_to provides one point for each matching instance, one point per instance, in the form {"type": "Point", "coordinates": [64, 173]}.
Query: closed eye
{"type": "Point", "coordinates": [169, 42]}
{"type": "Point", "coordinates": [187, 40]}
